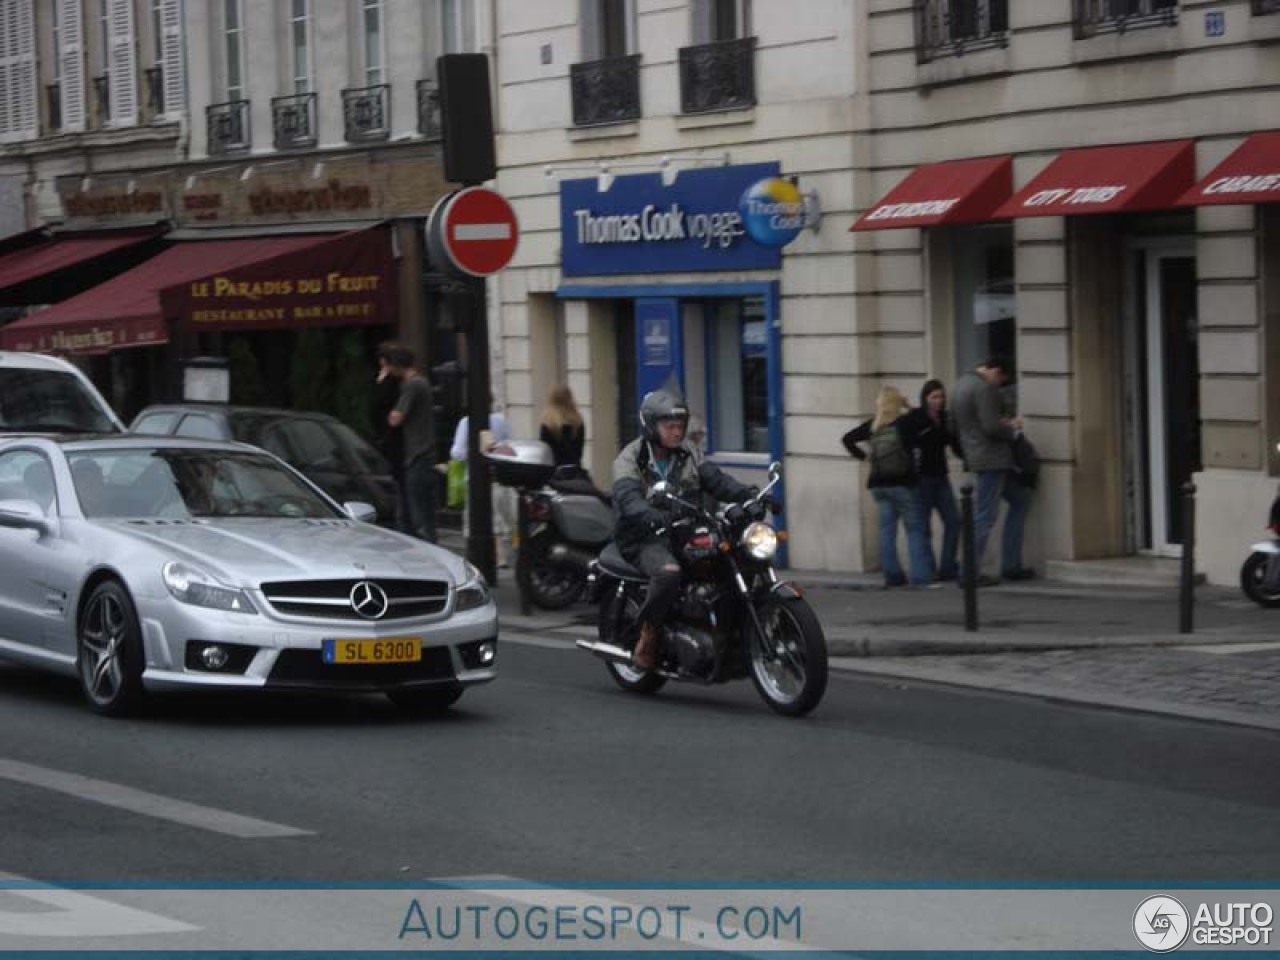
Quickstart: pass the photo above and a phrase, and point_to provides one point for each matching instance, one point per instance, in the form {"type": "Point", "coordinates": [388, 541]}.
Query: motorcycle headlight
{"type": "Point", "coordinates": [198, 589]}
{"type": "Point", "coordinates": [473, 592]}
{"type": "Point", "coordinates": [760, 541]}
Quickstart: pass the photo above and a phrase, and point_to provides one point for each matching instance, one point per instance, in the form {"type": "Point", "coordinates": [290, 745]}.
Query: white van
{"type": "Point", "coordinates": [41, 394]}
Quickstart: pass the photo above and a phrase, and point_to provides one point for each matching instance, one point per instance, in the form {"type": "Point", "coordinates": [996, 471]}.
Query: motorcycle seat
{"type": "Point", "coordinates": [612, 562]}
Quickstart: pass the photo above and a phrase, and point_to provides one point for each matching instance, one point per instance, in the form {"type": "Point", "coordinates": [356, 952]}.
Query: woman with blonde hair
{"type": "Point", "coordinates": [893, 447]}
{"type": "Point", "coordinates": [561, 427]}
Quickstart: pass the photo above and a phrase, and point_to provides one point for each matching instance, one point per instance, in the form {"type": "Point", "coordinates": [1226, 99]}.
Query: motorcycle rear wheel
{"type": "Point", "coordinates": [617, 614]}
{"type": "Point", "coordinates": [549, 585]}
{"type": "Point", "coordinates": [1253, 577]}
{"type": "Point", "coordinates": [789, 669]}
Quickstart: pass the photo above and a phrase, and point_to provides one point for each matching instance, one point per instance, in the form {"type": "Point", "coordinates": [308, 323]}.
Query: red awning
{"type": "Point", "coordinates": [125, 310]}
{"type": "Point", "coordinates": [1130, 178]}
{"type": "Point", "coordinates": [956, 191]}
{"type": "Point", "coordinates": [1251, 174]}
{"type": "Point", "coordinates": [61, 253]}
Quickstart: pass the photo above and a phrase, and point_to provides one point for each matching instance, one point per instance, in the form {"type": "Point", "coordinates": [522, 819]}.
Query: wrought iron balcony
{"type": "Point", "coordinates": [153, 80]}
{"type": "Point", "coordinates": [429, 109]}
{"type": "Point", "coordinates": [366, 113]}
{"type": "Point", "coordinates": [1261, 7]}
{"type": "Point", "coordinates": [293, 121]}
{"type": "Point", "coordinates": [718, 76]}
{"type": "Point", "coordinates": [952, 28]}
{"type": "Point", "coordinates": [228, 127]}
{"type": "Point", "coordinates": [102, 94]}
{"type": "Point", "coordinates": [53, 100]}
{"type": "Point", "coordinates": [1093, 17]}
{"type": "Point", "coordinates": [605, 91]}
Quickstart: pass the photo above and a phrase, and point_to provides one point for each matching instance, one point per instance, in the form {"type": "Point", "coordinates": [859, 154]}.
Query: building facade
{"type": "Point", "coordinates": [1043, 180]}
{"type": "Point", "coordinates": [681, 173]}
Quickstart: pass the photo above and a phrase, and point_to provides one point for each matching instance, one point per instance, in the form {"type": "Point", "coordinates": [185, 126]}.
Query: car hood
{"type": "Point", "coordinates": [247, 551]}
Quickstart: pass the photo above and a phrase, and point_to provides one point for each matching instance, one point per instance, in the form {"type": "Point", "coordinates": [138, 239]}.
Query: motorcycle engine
{"type": "Point", "coordinates": [699, 603]}
{"type": "Point", "coordinates": [694, 649]}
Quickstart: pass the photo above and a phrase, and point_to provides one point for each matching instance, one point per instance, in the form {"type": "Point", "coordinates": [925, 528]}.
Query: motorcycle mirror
{"type": "Point", "coordinates": [775, 471]}
{"type": "Point", "coordinates": [660, 492]}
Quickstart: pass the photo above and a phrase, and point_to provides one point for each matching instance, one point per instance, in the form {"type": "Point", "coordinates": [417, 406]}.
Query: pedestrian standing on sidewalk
{"type": "Point", "coordinates": [413, 414]}
{"type": "Point", "coordinates": [934, 490]}
{"type": "Point", "coordinates": [987, 436]}
{"type": "Point", "coordinates": [893, 447]}
{"type": "Point", "coordinates": [388, 439]}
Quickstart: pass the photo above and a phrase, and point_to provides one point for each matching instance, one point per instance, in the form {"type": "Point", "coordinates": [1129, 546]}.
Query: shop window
{"type": "Point", "coordinates": [986, 304]}
{"type": "Point", "coordinates": [738, 372]}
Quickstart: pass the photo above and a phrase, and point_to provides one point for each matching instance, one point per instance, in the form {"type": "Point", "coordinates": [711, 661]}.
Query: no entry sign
{"type": "Point", "coordinates": [473, 231]}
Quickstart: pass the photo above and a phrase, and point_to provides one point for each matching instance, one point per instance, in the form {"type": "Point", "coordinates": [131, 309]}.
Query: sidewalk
{"type": "Point", "coordinates": [1117, 647]}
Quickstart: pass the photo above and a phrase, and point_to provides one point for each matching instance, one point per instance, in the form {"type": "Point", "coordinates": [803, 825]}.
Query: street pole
{"type": "Point", "coordinates": [969, 559]}
{"type": "Point", "coordinates": [1187, 580]}
{"type": "Point", "coordinates": [480, 546]}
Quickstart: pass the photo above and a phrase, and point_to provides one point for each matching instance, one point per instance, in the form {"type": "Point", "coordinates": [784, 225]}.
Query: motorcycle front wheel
{"type": "Point", "coordinates": [617, 616]}
{"type": "Point", "coordinates": [549, 584]}
{"type": "Point", "coordinates": [789, 663]}
{"type": "Point", "coordinates": [1253, 579]}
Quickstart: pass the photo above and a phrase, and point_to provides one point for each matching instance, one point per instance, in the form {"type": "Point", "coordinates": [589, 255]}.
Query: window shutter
{"type": "Point", "coordinates": [123, 65]}
{"type": "Point", "coordinates": [173, 67]}
{"type": "Point", "coordinates": [591, 23]}
{"type": "Point", "coordinates": [19, 112]}
{"type": "Point", "coordinates": [71, 69]}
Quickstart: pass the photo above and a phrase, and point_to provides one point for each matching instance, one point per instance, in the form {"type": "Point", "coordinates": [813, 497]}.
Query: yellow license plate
{"type": "Point", "coordinates": [386, 650]}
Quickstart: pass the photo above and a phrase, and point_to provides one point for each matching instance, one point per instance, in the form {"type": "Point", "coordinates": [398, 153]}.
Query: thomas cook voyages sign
{"type": "Point", "coordinates": [715, 218]}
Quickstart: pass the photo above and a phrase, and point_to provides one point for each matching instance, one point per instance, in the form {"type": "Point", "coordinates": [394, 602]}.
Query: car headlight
{"type": "Point", "coordinates": [760, 541]}
{"type": "Point", "coordinates": [473, 592]}
{"type": "Point", "coordinates": [191, 586]}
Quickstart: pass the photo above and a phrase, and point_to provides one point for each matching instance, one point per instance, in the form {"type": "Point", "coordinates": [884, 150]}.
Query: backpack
{"type": "Point", "coordinates": [890, 459]}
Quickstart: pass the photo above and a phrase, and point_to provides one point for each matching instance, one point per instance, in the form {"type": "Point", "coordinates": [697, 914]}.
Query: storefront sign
{"type": "Point", "coordinates": [640, 225]}
{"type": "Point", "coordinates": [344, 281]}
{"type": "Point", "coordinates": [773, 212]}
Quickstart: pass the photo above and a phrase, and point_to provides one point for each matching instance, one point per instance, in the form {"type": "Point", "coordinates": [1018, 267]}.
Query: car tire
{"type": "Point", "coordinates": [425, 702]}
{"type": "Point", "coordinates": [109, 651]}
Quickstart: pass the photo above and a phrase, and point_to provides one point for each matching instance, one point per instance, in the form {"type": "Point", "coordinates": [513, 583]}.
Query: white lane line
{"type": "Point", "coordinates": [147, 804]}
{"type": "Point", "coordinates": [70, 913]}
{"type": "Point", "coordinates": [1227, 648]}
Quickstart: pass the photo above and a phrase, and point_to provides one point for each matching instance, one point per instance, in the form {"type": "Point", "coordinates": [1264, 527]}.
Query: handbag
{"type": "Point", "coordinates": [1026, 461]}
{"type": "Point", "coordinates": [456, 485]}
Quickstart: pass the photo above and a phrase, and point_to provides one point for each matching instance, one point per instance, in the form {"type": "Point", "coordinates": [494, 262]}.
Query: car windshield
{"type": "Point", "coordinates": [49, 401]}
{"type": "Point", "coordinates": [184, 483]}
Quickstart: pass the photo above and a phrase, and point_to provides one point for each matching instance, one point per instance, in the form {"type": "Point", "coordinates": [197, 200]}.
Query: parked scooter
{"type": "Point", "coordinates": [569, 523]}
{"type": "Point", "coordinates": [1260, 575]}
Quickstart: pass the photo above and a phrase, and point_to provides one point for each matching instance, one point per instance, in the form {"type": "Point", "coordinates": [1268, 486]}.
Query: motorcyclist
{"type": "Point", "coordinates": [660, 453]}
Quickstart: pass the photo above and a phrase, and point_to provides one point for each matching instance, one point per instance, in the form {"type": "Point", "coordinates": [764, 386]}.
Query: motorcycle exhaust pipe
{"type": "Point", "coordinates": [606, 650]}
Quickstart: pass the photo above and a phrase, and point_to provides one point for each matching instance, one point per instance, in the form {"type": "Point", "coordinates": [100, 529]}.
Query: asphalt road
{"type": "Point", "coordinates": [552, 774]}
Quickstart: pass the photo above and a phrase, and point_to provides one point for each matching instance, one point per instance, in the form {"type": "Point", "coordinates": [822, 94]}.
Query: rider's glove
{"type": "Point", "coordinates": [655, 519]}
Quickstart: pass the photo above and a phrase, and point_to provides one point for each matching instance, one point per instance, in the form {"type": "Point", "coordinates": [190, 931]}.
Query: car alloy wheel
{"type": "Point", "coordinates": [109, 648]}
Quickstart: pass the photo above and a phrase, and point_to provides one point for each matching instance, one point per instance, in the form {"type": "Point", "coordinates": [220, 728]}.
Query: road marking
{"type": "Point", "coordinates": [1225, 648]}
{"type": "Point", "coordinates": [75, 914]}
{"type": "Point", "coordinates": [530, 640]}
{"type": "Point", "coordinates": [147, 804]}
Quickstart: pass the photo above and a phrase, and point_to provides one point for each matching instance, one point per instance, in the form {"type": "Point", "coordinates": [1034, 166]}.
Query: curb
{"type": "Point", "coordinates": [884, 645]}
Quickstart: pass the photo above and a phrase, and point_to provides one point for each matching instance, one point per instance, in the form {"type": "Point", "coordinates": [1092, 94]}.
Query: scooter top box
{"type": "Point", "coordinates": [521, 463]}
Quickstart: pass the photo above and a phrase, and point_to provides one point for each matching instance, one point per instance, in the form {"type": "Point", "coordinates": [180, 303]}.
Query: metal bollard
{"type": "Point", "coordinates": [969, 559]}
{"type": "Point", "coordinates": [1187, 580]}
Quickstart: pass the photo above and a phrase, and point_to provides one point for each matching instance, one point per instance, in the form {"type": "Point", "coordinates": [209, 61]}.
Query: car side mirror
{"type": "Point", "coordinates": [358, 510]}
{"type": "Point", "coordinates": [24, 515]}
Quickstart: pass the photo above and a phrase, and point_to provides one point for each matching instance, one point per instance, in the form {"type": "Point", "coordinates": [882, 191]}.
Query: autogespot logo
{"type": "Point", "coordinates": [1161, 923]}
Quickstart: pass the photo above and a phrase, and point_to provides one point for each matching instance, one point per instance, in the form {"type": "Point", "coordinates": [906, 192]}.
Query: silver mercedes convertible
{"type": "Point", "coordinates": [139, 563]}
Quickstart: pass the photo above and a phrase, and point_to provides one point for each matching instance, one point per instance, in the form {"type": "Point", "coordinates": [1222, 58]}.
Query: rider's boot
{"type": "Point", "coordinates": [645, 654]}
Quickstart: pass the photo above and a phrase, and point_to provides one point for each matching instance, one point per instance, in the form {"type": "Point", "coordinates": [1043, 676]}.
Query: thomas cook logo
{"type": "Point", "coordinates": [773, 212]}
{"type": "Point", "coordinates": [1161, 923]}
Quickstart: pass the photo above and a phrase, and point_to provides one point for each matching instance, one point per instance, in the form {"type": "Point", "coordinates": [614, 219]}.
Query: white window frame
{"type": "Point", "coordinates": [122, 63]}
{"type": "Point", "coordinates": [68, 54]}
{"type": "Point", "coordinates": [593, 29]}
{"type": "Point", "coordinates": [172, 57]}
{"type": "Point", "coordinates": [233, 41]}
{"type": "Point", "coordinates": [303, 73]}
{"type": "Point", "coordinates": [374, 74]}
{"type": "Point", "coordinates": [704, 21]}
{"type": "Point", "coordinates": [19, 78]}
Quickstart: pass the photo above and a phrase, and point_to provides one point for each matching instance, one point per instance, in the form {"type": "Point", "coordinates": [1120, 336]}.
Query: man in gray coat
{"type": "Point", "coordinates": [986, 436]}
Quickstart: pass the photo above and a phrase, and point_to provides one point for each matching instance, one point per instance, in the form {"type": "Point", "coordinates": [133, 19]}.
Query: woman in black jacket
{"type": "Point", "coordinates": [933, 431]}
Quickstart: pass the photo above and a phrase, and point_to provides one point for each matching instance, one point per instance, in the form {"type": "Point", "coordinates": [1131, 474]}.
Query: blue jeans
{"type": "Point", "coordinates": [420, 481]}
{"type": "Point", "coordinates": [993, 486]}
{"type": "Point", "coordinates": [902, 503]}
{"type": "Point", "coordinates": [935, 493]}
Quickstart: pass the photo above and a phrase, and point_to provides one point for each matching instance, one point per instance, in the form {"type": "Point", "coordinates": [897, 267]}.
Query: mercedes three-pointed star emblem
{"type": "Point", "coordinates": [369, 600]}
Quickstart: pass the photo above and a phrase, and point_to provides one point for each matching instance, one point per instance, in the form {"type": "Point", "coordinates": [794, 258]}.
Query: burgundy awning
{"type": "Point", "coordinates": [955, 191]}
{"type": "Point", "coordinates": [1251, 174]}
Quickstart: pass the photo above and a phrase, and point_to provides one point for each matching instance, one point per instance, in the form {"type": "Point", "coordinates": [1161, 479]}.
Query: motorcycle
{"type": "Point", "coordinates": [570, 521]}
{"type": "Point", "coordinates": [1260, 574]}
{"type": "Point", "coordinates": [734, 618]}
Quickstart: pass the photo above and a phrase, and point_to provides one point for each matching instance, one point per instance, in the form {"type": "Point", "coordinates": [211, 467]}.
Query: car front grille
{"type": "Point", "coordinates": [306, 668]}
{"type": "Point", "coordinates": [331, 599]}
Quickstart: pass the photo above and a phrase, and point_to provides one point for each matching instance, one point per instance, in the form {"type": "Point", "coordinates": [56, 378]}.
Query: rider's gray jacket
{"type": "Point", "coordinates": [689, 473]}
